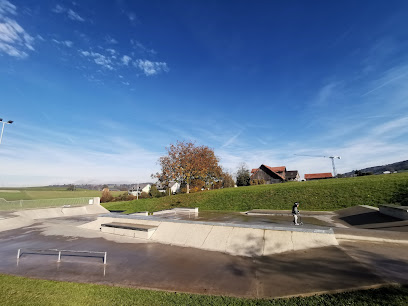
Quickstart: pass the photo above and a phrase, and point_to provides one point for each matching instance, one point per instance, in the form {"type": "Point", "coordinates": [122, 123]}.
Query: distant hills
{"type": "Point", "coordinates": [399, 166]}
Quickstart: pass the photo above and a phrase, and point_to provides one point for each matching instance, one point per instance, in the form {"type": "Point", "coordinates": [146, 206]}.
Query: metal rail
{"type": "Point", "coordinates": [21, 251]}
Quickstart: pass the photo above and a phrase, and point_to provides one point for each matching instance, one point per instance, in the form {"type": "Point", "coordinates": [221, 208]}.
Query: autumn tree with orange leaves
{"type": "Point", "coordinates": [186, 162]}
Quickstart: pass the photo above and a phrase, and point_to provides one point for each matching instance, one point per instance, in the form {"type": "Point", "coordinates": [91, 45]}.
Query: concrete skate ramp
{"type": "Point", "coordinates": [24, 218]}
{"type": "Point", "coordinates": [234, 239]}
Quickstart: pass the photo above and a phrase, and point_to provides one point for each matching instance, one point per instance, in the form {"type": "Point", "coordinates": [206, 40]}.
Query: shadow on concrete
{"type": "Point", "coordinates": [368, 218]}
{"type": "Point", "coordinates": [388, 260]}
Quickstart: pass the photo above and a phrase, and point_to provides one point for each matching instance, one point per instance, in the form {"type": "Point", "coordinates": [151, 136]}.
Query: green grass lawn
{"type": "Point", "coordinates": [15, 290]}
{"type": "Point", "coordinates": [35, 193]}
{"type": "Point", "coordinates": [329, 194]}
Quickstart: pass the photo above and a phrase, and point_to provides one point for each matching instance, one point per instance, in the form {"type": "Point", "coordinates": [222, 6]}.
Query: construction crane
{"type": "Point", "coordinates": [331, 157]}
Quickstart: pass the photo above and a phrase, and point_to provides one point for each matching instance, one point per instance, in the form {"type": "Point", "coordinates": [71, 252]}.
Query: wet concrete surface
{"type": "Point", "coordinates": [241, 218]}
{"type": "Point", "coordinates": [166, 267]}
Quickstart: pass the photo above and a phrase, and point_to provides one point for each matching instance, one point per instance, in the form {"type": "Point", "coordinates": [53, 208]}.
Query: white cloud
{"type": "Point", "coordinates": [14, 40]}
{"type": "Point", "coordinates": [7, 8]}
{"type": "Point", "coordinates": [111, 51]}
{"type": "Point", "coordinates": [151, 68]}
{"type": "Point", "coordinates": [58, 9]}
{"type": "Point", "coordinates": [394, 127]}
{"type": "Point", "coordinates": [61, 157]}
{"type": "Point", "coordinates": [126, 59]}
{"type": "Point", "coordinates": [71, 14]}
{"type": "Point", "coordinates": [66, 43]}
{"type": "Point", "coordinates": [99, 59]}
{"type": "Point", "coordinates": [74, 16]}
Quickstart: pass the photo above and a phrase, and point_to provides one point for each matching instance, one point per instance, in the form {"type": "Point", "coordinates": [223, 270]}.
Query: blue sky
{"type": "Point", "coordinates": [98, 89]}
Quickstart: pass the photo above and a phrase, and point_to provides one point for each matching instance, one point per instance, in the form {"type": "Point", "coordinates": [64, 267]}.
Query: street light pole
{"type": "Point", "coordinates": [2, 129]}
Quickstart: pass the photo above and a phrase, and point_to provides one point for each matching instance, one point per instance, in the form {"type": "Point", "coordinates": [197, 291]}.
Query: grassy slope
{"type": "Point", "coordinates": [314, 195]}
{"type": "Point", "coordinates": [49, 193]}
{"type": "Point", "coordinates": [16, 290]}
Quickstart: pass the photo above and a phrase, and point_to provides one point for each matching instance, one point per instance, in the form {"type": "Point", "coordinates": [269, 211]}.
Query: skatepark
{"type": "Point", "coordinates": [258, 253]}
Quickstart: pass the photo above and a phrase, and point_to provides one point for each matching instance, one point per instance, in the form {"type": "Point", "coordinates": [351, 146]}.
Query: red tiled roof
{"type": "Point", "coordinates": [318, 175]}
{"type": "Point", "coordinates": [276, 169]}
{"type": "Point", "coordinates": [254, 170]}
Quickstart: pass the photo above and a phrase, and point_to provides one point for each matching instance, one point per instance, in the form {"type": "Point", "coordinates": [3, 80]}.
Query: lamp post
{"type": "Point", "coordinates": [2, 129]}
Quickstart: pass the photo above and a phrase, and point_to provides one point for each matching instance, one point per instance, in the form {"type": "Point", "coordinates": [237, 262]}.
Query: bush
{"type": "Point", "coordinates": [106, 196]}
{"type": "Point", "coordinates": [144, 195]}
{"type": "Point", "coordinates": [124, 197]}
{"type": "Point", "coordinates": [154, 193]}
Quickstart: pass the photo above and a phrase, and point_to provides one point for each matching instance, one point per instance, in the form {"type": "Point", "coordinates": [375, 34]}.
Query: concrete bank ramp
{"type": "Point", "coordinates": [234, 239]}
{"type": "Point", "coordinates": [26, 217]}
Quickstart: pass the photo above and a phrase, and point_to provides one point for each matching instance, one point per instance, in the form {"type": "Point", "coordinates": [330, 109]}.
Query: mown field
{"type": "Point", "coordinates": [330, 194]}
{"type": "Point", "coordinates": [15, 290]}
{"type": "Point", "coordinates": [34, 193]}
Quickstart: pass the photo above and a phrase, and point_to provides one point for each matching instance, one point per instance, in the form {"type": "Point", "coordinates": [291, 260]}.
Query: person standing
{"type": "Point", "coordinates": [295, 213]}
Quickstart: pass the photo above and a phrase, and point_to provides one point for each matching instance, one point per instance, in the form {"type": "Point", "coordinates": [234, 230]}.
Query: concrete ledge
{"type": "Point", "coordinates": [231, 238]}
{"type": "Point", "coordinates": [400, 212]}
{"type": "Point", "coordinates": [321, 230]}
{"type": "Point", "coordinates": [131, 226]}
{"type": "Point", "coordinates": [128, 229]}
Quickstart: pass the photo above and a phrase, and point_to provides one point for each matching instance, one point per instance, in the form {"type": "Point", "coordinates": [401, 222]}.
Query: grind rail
{"type": "Point", "coordinates": [60, 253]}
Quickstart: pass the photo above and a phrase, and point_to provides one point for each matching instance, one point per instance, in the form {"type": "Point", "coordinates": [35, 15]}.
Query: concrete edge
{"type": "Point", "coordinates": [368, 238]}
{"type": "Point", "coordinates": [367, 287]}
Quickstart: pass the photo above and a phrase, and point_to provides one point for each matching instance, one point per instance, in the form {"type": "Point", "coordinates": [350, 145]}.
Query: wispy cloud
{"type": "Point", "coordinates": [326, 93]}
{"type": "Point", "coordinates": [74, 160]}
{"type": "Point", "coordinates": [14, 40]}
{"type": "Point", "coordinates": [111, 40]}
{"type": "Point", "coordinates": [386, 80]}
{"type": "Point", "coordinates": [98, 59]}
{"type": "Point", "coordinates": [74, 16]}
{"type": "Point", "coordinates": [126, 59]}
{"type": "Point", "coordinates": [231, 140]}
{"type": "Point", "coordinates": [132, 16]}
{"type": "Point", "coordinates": [58, 9]}
{"type": "Point", "coordinates": [150, 68]}
{"type": "Point", "coordinates": [66, 43]}
{"type": "Point", "coordinates": [141, 48]}
{"type": "Point", "coordinates": [71, 14]}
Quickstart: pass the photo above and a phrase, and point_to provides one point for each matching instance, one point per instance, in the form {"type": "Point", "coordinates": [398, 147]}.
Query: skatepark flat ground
{"type": "Point", "coordinates": [144, 264]}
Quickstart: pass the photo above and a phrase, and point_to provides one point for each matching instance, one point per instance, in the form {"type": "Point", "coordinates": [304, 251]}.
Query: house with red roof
{"type": "Point", "coordinates": [272, 175]}
{"type": "Point", "coordinates": [318, 176]}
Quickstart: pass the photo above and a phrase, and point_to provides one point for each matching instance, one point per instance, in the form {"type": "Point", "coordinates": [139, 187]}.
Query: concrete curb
{"type": "Point", "coordinates": [369, 239]}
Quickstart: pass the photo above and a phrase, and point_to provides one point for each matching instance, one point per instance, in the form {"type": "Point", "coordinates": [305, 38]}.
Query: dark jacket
{"type": "Point", "coordinates": [295, 210]}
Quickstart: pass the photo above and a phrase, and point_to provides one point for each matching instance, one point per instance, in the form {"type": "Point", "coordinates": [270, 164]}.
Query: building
{"type": "Point", "coordinates": [318, 176]}
{"type": "Point", "coordinates": [292, 176]}
{"type": "Point", "coordinates": [139, 188]}
{"type": "Point", "coordinates": [174, 187]}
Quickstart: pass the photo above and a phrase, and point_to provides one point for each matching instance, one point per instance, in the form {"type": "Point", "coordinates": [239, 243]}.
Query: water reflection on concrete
{"type": "Point", "coordinates": [236, 217]}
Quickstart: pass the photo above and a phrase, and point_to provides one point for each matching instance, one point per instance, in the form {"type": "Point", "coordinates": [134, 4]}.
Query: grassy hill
{"type": "Point", "coordinates": [34, 193]}
{"type": "Point", "coordinates": [330, 194]}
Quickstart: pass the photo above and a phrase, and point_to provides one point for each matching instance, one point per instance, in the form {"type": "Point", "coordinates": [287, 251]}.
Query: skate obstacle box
{"type": "Point", "coordinates": [129, 229]}
{"type": "Point", "coordinates": [400, 212]}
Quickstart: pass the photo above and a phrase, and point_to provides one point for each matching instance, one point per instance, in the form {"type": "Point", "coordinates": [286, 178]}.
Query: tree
{"type": "Point", "coordinates": [186, 162]}
{"type": "Point", "coordinates": [71, 187]}
{"type": "Point", "coordinates": [243, 176]}
{"type": "Point", "coordinates": [227, 180]}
